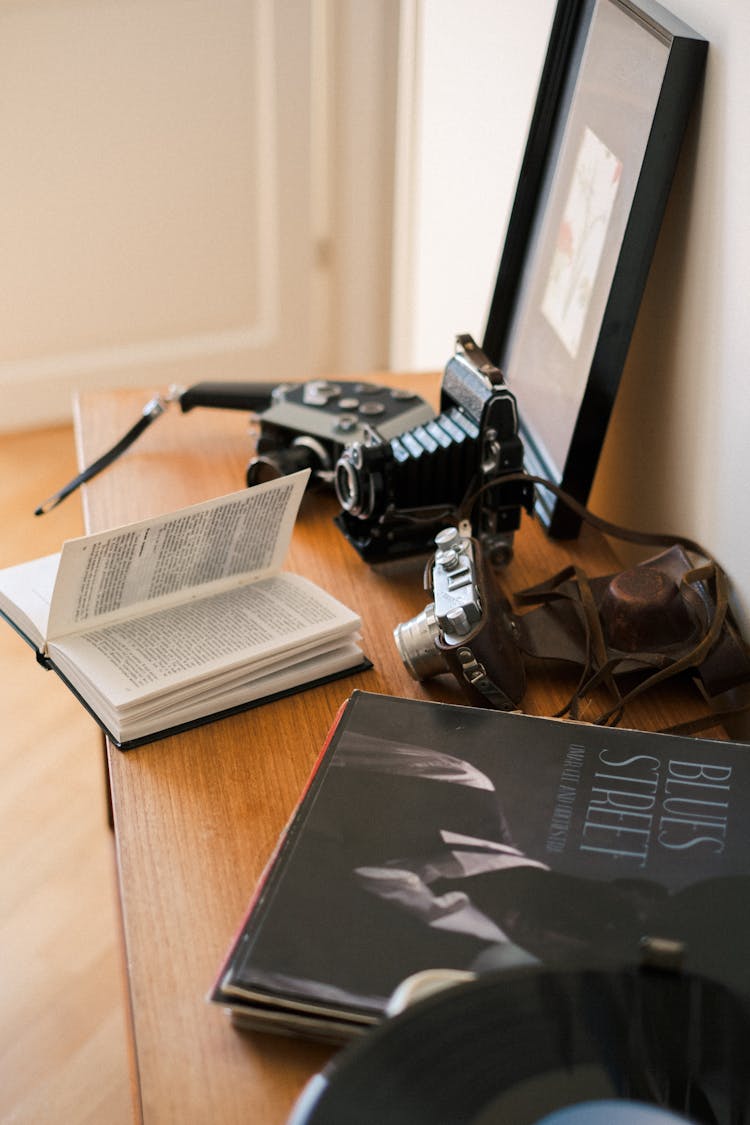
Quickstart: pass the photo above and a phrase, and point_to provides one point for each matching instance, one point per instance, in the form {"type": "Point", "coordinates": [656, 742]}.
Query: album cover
{"type": "Point", "coordinates": [439, 836]}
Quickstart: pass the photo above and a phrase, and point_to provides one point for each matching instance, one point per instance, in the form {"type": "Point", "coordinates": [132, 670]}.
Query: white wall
{"type": "Point", "coordinates": [468, 79]}
{"type": "Point", "coordinates": [140, 211]}
{"type": "Point", "coordinates": [677, 454]}
{"type": "Point", "coordinates": [353, 109]}
{"type": "Point", "coordinates": [191, 191]}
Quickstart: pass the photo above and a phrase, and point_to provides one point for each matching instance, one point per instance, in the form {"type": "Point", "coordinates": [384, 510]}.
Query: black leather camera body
{"type": "Point", "coordinates": [397, 493]}
{"type": "Point", "coordinates": [400, 472]}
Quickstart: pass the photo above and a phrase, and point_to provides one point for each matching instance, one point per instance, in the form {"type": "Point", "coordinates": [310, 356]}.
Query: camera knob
{"type": "Point", "coordinates": [459, 622]}
{"type": "Point", "coordinates": [318, 392]}
{"type": "Point", "coordinates": [447, 559]}
{"type": "Point", "coordinates": [346, 423]}
{"type": "Point", "coordinates": [448, 537]}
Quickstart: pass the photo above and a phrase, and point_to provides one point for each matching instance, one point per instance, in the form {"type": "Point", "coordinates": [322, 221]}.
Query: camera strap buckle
{"type": "Point", "coordinates": [475, 674]}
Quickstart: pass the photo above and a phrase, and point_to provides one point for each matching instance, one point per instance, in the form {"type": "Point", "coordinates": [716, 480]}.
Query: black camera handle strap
{"type": "Point", "coordinates": [228, 396]}
{"type": "Point", "coordinates": [599, 666]}
{"type": "Point", "coordinates": [151, 411]}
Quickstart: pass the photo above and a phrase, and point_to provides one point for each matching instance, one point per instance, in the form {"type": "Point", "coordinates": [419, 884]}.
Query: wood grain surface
{"type": "Point", "coordinates": [197, 815]}
{"type": "Point", "coordinates": [63, 1046]}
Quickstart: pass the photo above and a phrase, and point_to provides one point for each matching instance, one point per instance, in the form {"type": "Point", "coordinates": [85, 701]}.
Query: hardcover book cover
{"type": "Point", "coordinates": [441, 836]}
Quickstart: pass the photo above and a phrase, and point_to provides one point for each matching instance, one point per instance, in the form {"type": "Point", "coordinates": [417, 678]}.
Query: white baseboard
{"type": "Point", "coordinates": [40, 392]}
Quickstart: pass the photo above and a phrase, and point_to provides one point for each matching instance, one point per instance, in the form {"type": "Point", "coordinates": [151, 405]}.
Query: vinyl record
{"type": "Point", "coordinates": [524, 1047]}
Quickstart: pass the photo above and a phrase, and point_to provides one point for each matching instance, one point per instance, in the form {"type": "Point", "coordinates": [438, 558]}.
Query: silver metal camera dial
{"type": "Point", "coordinates": [319, 392]}
{"type": "Point", "coordinates": [457, 604]}
{"type": "Point", "coordinates": [346, 423]}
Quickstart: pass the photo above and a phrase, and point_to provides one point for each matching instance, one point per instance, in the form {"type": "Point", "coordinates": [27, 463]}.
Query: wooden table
{"type": "Point", "coordinates": [196, 816]}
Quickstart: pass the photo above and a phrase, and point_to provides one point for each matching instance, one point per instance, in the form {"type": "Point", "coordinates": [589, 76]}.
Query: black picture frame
{"type": "Point", "coordinates": [615, 95]}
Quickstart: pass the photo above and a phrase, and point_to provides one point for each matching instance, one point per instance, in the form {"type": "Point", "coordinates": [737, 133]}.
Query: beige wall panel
{"type": "Point", "coordinates": [140, 207]}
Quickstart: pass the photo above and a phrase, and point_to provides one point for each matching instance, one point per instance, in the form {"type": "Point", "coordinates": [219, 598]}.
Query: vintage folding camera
{"type": "Point", "coordinates": [397, 493]}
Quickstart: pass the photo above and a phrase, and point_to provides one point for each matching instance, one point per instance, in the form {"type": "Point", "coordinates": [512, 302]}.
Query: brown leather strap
{"type": "Point", "coordinates": [599, 667]}
{"type": "Point", "coordinates": [644, 538]}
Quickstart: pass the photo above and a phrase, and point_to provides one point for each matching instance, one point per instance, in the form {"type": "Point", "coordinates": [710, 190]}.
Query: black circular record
{"type": "Point", "coordinates": [513, 1048]}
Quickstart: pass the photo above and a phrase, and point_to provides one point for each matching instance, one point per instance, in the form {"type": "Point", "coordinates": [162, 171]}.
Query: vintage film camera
{"type": "Point", "coordinates": [400, 473]}
{"type": "Point", "coordinates": [467, 629]}
{"type": "Point", "coordinates": [300, 425]}
{"type": "Point", "coordinates": [397, 493]}
{"type": "Point", "coordinates": [308, 425]}
{"type": "Point", "coordinates": [622, 632]}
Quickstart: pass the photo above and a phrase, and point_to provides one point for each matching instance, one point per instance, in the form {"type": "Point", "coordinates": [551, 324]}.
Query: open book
{"type": "Point", "coordinates": [172, 621]}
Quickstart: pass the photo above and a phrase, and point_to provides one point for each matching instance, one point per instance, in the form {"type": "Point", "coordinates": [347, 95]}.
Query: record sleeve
{"type": "Point", "coordinates": [441, 836]}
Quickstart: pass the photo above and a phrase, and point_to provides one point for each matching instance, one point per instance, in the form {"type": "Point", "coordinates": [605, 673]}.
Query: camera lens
{"type": "Point", "coordinates": [415, 641]}
{"type": "Point", "coordinates": [352, 486]}
{"type": "Point", "coordinates": [275, 463]}
{"type": "Point", "coordinates": [347, 489]}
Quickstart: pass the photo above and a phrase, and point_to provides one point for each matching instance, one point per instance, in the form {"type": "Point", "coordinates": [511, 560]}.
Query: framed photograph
{"type": "Point", "coordinates": [614, 99]}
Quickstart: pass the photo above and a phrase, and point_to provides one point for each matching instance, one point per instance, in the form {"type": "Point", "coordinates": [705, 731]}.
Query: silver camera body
{"type": "Point", "coordinates": [467, 629]}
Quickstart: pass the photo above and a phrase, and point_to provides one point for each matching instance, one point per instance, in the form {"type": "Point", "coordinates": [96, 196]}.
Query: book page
{"type": "Point", "coordinates": [26, 594]}
{"type": "Point", "coordinates": [142, 657]}
{"type": "Point", "coordinates": [166, 560]}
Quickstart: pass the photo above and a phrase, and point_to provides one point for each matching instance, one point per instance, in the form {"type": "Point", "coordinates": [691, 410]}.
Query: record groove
{"type": "Point", "coordinates": [512, 1047]}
